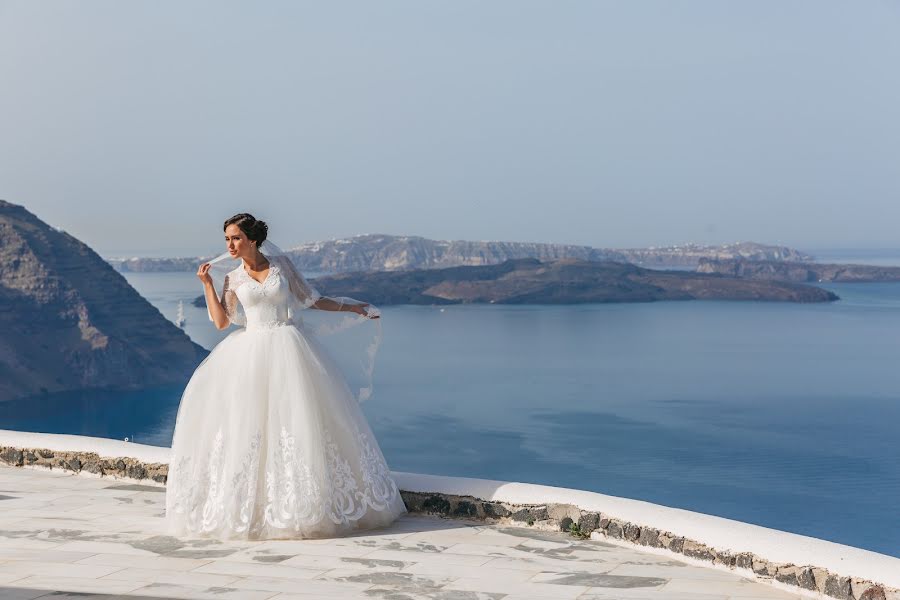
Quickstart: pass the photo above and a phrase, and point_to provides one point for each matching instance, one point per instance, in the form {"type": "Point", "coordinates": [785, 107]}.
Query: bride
{"type": "Point", "coordinates": [270, 441]}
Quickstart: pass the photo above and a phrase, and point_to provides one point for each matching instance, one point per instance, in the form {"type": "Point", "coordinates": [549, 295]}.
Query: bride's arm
{"type": "Point", "coordinates": [326, 303]}
{"type": "Point", "coordinates": [217, 312]}
{"type": "Point", "coordinates": [309, 297]}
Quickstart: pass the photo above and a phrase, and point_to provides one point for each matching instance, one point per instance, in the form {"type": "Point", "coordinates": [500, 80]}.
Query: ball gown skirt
{"type": "Point", "coordinates": [270, 443]}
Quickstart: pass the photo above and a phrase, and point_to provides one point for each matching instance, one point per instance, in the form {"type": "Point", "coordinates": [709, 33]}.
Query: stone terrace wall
{"type": "Point", "coordinates": [564, 517]}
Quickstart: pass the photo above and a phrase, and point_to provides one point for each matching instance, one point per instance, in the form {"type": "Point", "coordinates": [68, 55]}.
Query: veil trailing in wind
{"type": "Point", "coordinates": [352, 339]}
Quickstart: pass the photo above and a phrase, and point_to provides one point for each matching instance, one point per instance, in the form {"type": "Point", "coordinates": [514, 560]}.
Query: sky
{"type": "Point", "coordinates": [140, 126]}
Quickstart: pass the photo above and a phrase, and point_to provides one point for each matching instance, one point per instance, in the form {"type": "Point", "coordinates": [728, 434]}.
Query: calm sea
{"type": "Point", "coordinates": [777, 414]}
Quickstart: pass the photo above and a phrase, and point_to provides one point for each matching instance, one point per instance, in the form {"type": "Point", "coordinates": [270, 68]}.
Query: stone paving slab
{"type": "Point", "coordinates": [70, 536]}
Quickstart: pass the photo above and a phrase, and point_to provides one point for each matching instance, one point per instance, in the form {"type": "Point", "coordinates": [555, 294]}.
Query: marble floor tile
{"type": "Point", "coordinates": [63, 536]}
{"type": "Point", "coordinates": [144, 562]}
{"type": "Point", "coordinates": [170, 590]}
{"type": "Point", "coordinates": [528, 589]}
{"type": "Point", "coordinates": [71, 570]}
{"type": "Point", "coordinates": [222, 567]}
{"type": "Point", "coordinates": [172, 576]}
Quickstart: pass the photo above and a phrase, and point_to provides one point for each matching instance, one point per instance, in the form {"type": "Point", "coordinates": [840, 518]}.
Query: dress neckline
{"type": "Point", "coordinates": [253, 279]}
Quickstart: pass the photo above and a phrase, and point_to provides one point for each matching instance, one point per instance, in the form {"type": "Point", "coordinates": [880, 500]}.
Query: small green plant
{"type": "Point", "coordinates": [576, 531]}
{"type": "Point", "coordinates": [530, 521]}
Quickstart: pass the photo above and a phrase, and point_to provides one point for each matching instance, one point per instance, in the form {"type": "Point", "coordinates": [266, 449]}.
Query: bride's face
{"type": "Point", "coordinates": [238, 244]}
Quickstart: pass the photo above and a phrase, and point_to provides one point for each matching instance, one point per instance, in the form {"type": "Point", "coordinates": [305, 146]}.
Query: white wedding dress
{"type": "Point", "coordinates": [269, 440]}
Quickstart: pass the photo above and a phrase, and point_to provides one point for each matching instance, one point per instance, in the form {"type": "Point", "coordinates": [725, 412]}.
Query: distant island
{"type": "Point", "coordinates": [807, 272]}
{"type": "Point", "coordinates": [565, 281]}
{"type": "Point", "coordinates": [378, 252]}
{"type": "Point", "coordinates": [69, 321]}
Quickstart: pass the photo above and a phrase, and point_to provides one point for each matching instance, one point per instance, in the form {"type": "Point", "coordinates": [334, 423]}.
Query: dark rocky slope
{"type": "Point", "coordinates": [567, 281]}
{"type": "Point", "coordinates": [69, 321]}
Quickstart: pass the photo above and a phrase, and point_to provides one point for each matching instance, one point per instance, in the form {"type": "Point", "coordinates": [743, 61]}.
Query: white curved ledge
{"type": "Point", "coordinates": [81, 443]}
{"type": "Point", "coordinates": [716, 532]}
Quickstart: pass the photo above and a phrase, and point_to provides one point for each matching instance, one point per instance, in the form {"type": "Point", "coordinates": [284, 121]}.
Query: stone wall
{"type": "Point", "coordinates": [564, 517]}
{"type": "Point", "coordinates": [88, 462]}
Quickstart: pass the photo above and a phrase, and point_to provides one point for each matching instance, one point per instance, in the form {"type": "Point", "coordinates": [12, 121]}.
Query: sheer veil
{"type": "Point", "coordinates": [350, 338]}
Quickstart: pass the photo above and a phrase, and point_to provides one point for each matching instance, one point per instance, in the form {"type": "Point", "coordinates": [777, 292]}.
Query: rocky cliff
{"type": "Point", "coordinates": [69, 321]}
{"type": "Point", "coordinates": [565, 281]}
{"type": "Point", "coordinates": [379, 252]}
{"type": "Point", "coordinates": [690, 255]}
{"type": "Point", "coordinates": [799, 271]}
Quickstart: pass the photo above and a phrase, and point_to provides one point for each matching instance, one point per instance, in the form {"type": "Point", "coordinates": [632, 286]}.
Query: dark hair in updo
{"type": "Point", "coordinates": [253, 228]}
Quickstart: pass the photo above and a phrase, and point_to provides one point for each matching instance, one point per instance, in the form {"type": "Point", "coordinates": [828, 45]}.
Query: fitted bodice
{"type": "Point", "coordinates": [267, 304]}
{"type": "Point", "coordinates": [271, 303]}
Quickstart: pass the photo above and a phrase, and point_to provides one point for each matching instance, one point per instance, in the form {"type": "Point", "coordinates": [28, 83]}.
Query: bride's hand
{"type": "Point", "coordinates": [203, 274]}
{"type": "Point", "coordinates": [360, 309]}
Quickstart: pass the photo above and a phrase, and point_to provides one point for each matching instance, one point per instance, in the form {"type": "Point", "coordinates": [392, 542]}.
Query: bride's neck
{"type": "Point", "coordinates": [257, 261]}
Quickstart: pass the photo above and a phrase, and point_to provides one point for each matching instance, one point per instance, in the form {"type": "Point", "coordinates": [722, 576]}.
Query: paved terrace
{"type": "Point", "coordinates": [104, 538]}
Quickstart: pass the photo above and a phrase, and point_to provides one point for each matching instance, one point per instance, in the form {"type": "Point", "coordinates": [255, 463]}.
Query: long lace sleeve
{"type": "Point", "coordinates": [231, 304]}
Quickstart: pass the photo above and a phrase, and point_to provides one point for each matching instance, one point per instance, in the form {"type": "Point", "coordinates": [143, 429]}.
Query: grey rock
{"type": "Point", "coordinates": [821, 576]}
{"type": "Point", "coordinates": [436, 504]}
{"type": "Point", "coordinates": [788, 574]}
{"type": "Point", "coordinates": [589, 522]}
{"type": "Point", "coordinates": [558, 512]}
{"type": "Point", "coordinates": [806, 579]}
{"type": "Point", "coordinates": [697, 550]}
{"type": "Point", "coordinates": [615, 529]}
{"type": "Point", "coordinates": [862, 589]}
{"type": "Point", "coordinates": [535, 513]}
{"type": "Point", "coordinates": [495, 510]}
{"type": "Point", "coordinates": [414, 501]}
{"type": "Point", "coordinates": [649, 537]}
{"type": "Point", "coordinates": [12, 456]}
{"type": "Point", "coordinates": [136, 471]}
{"type": "Point", "coordinates": [632, 532]}
{"type": "Point", "coordinates": [837, 587]}
{"type": "Point", "coordinates": [760, 566]}
{"type": "Point", "coordinates": [92, 466]}
{"type": "Point", "coordinates": [464, 508]}
{"type": "Point", "coordinates": [724, 558]}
